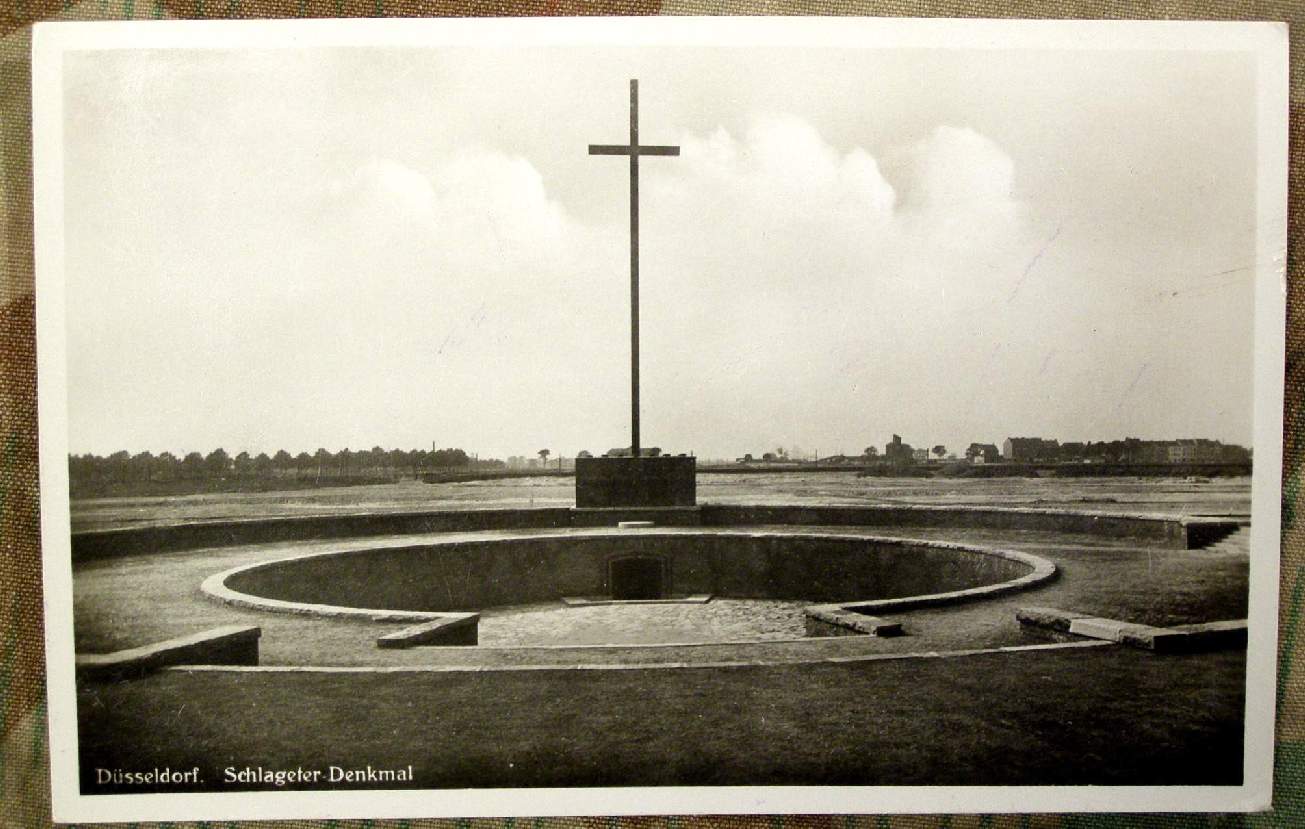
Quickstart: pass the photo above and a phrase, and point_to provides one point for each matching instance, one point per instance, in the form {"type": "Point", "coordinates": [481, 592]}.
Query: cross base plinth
{"type": "Point", "coordinates": [666, 481]}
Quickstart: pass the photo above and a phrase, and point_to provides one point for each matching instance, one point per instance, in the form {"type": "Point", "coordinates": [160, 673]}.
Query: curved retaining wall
{"type": "Point", "coordinates": [459, 576]}
{"type": "Point", "coordinates": [1167, 531]}
{"type": "Point", "coordinates": [198, 534]}
{"type": "Point", "coordinates": [860, 616]}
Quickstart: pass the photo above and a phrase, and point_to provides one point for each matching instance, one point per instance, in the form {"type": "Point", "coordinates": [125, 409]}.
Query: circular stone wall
{"type": "Point", "coordinates": [474, 575]}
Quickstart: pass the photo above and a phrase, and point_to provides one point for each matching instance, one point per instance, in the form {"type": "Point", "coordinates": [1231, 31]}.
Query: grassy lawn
{"type": "Point", "coordinates": [1080, 716]}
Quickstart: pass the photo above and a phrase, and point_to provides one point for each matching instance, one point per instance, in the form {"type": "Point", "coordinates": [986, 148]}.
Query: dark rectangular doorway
{"type": "Point", "coordinates": [640, 577]}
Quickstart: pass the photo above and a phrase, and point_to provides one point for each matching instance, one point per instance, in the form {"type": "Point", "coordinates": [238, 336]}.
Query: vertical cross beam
{"type": "Point", "coordinates": [634, 268]}
{"type": "Point", "coordinates": [634, 149]}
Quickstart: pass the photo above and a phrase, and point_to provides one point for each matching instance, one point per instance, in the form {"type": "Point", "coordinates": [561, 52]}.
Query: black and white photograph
{"type": "Point", "coordinates": [537, 417]}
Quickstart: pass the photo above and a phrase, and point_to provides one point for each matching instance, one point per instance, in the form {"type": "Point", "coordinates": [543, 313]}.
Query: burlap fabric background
{"type": "Point", "coordinates": [24, 784]}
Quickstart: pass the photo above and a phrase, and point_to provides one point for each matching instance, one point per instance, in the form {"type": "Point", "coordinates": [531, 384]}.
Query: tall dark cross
{"type": "Point", "coordinates": [634, 149]}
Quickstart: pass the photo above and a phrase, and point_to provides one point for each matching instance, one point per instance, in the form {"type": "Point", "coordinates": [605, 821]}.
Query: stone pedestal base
{"type": "Point", "coordinates": [667, 481]}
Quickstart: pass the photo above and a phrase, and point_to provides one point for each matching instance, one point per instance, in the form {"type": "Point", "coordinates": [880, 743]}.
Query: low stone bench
{"type": "Point", "coordinates": [836, 620]}
{"type": "Point", "coordinates": [1177, 639]}
{"type": "Point", "coordinates": [1189, 638]}
{"type": "Point", "coordinates": [450, 629]}
{"type": "Point", "coordinates": [582, 601]}
{"type": "Point", "coordinates": [616, 516]}
{"type": "Point", "coordinates": [230, 645]}
{"type": "Point", "coordinates": [1048, 618]}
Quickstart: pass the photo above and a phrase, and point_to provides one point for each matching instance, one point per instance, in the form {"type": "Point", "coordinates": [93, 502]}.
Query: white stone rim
{"type": "Point", "coordinates": [215, 586]}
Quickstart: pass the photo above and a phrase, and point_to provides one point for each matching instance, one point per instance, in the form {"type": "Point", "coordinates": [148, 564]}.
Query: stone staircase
{"type": "Point", "coordinates": [1238, 543]}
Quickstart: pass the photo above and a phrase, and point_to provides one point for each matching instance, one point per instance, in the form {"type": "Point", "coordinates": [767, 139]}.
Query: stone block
{"type": "Point", "coordinates": [1192, 638]}
{"type": "Point", "coordinates": [1048, 617]}
{"type": "Point", "coordinates": [1111, 630]}
{"type": "Point", "coordinates": [1178, 639]}
{"type": "Point", "coordinates": [834, 620]}
{"type": "Point", "coordinates": [230, 645]}
{"type": "Point", "coordinates": [666, 481]}
{"type": "Point", "coordinates": [452, 629]}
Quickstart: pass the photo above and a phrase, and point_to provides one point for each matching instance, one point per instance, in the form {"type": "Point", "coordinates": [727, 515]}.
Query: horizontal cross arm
{"type": "Point", "coordinates": [626, 149]}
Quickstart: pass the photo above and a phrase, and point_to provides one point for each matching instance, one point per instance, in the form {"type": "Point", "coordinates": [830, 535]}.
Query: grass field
{"type": "Point", "coordinates": [1104, 715]}
{"type": "Point", "coordinates": [1165, 495]}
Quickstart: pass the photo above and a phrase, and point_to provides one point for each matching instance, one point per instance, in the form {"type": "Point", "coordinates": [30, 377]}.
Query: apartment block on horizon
{"type": "Point", "coordinates": [1027, 450]}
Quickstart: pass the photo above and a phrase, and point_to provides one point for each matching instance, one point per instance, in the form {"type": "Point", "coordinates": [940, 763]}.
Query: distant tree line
{"type": "Point", "coordinates": [92, 472]}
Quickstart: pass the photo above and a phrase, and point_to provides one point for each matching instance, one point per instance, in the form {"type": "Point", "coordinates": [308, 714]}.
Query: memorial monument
{"type": "Point", "coordinates": [639, 479]}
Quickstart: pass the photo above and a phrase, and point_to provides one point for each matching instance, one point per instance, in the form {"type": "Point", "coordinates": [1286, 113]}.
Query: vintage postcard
{"type": "Point", "coordinates": [659, 416]}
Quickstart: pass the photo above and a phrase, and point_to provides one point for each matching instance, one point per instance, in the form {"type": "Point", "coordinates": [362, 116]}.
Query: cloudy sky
{"type": "Point", "coordinates": [353, 247]}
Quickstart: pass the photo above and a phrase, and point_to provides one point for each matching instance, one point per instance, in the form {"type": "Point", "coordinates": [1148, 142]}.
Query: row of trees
{"type": "Point", "coordinates": [124, 467]}
{"type": "Point", "coordinates": [939, 451]}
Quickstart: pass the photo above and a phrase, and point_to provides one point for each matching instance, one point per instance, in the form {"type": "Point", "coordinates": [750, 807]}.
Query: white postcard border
{"type": "Point", "coordinates": [1267, 41]}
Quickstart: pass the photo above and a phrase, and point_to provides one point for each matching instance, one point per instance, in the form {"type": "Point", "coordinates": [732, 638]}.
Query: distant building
{"type": "Point", "coordinates": [1126, 451]}
{"type": "Point", "coordinates": [1196, 450]}
{"type": "Point", "coordinates": [898, 452]}
{"type": "Point", "coordinates": [982, 453]}
{"type": "Point", "coordinates": [920, 455]}
{"type": "Point", "coordinates": [1232, 453]}
{"type": "Point", "coordinates": [1020, 449]}
{"type": "Point", "coordinates": [1144, 451]}
{"type": "Point", "coordinates": [1027, 450]}
{"type": "Point", "coordinates": [838, 460]}
{"type": "Point", "coordinates": [1073, 451]}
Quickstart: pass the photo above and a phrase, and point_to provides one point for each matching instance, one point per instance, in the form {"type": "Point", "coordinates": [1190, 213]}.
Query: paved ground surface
{"type": "Point", "coordinates": [135, 600]}
{"type": "Point", "coordinates": [720, 620]}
